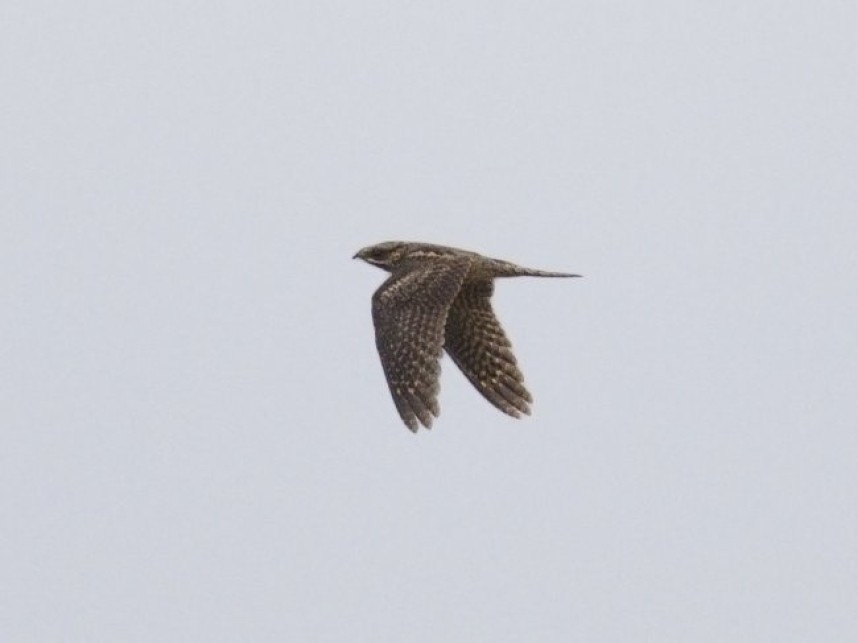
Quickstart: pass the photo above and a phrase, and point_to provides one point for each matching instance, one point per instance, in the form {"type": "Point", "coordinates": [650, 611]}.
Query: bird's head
{"type": "Point", "coordinates": [384, 255]}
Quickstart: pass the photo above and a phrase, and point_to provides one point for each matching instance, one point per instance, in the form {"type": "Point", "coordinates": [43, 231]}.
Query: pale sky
{"type": "Point", "coordinates": [196, 439]}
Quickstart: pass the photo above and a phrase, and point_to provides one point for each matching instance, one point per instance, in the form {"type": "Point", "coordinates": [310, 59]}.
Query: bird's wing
{"type": "Point", "coordinates": [476, 342]}
{"type": "Point", "coordinates": [409, 311]}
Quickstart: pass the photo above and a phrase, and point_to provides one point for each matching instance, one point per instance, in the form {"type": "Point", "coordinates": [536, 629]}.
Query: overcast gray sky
{"type": "Point", "coordinates": [197, 440]}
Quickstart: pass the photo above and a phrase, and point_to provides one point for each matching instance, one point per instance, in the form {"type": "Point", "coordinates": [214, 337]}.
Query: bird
{"type": "Point", "coordinates": [438, 298]}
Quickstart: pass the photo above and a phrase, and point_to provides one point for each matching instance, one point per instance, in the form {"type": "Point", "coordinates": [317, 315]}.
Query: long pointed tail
{"type": "Point", "coordinates": [502, 268]}
{"type": "Point", "coordinates": [529, 272]}
{"type": "Point", "coordinates": [512, 270]}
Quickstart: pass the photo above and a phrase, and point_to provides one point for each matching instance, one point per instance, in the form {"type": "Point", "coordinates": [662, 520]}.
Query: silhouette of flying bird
{"type": "Point", "coordinates": [440, 298]}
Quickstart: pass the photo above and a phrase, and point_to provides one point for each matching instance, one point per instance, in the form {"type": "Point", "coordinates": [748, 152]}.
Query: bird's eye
{"type": "Point", "coordinates": [382, 254]}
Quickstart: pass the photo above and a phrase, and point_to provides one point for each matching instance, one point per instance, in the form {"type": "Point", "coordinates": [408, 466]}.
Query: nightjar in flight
{"type": "Point", "coordinates": [439, 298]}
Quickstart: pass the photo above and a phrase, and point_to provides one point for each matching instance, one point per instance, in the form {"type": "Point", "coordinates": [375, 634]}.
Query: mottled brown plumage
{"type": "Point", "coordinates": [439, 298]}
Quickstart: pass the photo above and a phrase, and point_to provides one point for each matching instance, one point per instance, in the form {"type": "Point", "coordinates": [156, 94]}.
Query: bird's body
{"type": "Point", "coordinates": [439, 298]}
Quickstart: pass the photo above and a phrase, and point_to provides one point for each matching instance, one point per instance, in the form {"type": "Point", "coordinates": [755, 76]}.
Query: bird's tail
{"type": "Point", "coordinates": [512, 270]}
{"type": "Point", "coordinates": [530, 272]}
